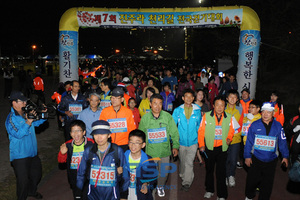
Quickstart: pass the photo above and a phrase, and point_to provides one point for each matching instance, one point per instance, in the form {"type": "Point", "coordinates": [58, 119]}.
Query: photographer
{"type": "Point", "coordinates": [23, 147]}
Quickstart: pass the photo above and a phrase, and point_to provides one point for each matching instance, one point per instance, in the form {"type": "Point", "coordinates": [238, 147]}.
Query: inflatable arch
{"type": "Point", "coordinates": [227, 16]}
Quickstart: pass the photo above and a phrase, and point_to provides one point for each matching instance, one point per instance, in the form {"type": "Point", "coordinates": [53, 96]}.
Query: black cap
{"type": "Point", "coordinates": [117, 92]}
{"type": "Point", "coordinates": [17, 95]}
{"type": "Point", "coordinates": [245, 90]}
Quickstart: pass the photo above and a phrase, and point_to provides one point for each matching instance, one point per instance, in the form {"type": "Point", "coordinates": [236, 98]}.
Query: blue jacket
{"type": "Point", "coordinates": [21, 136]}
{"type": "Point", "coordinates": [64, 105]}
{"type": "Point", "coordinates": [167, 100]}
{"type": "Point", "coordinates": [145, 172]}
{"type": "Point", "coordinates": [188, 128]}
{"type": "Point", "coordinates": [257, 129]}
{"type": "Point", "coordinates": [90, 158]}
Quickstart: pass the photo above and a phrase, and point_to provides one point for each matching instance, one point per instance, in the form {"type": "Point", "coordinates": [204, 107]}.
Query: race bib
{"type": "Point", "coordinates": [157, 135]}
{"type": "Point", "coordinates": [218, 133]}
{"type": "Point", "coordinates": [118, 125]}
{"type": "Point", "coordinates": [132, 178]}
{"type": "Point", "coordinates": [170, 107]}
{"type": "Point", "coordinates": [245, 128]}
{"type": "Point", "coordinates": [265, 143]}
{"type": "Point", "coordinates": [106, 177]}
{"type": "Point", "coordinates": [105, 103]}
{"type": "Point", "coordinates": [75, 109]}
{"type": "Point", "coordinates": [75, 160]}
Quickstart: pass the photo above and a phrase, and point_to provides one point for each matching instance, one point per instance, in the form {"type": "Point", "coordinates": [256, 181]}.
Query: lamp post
{"type": "Point", "coordinates": [33, 48]}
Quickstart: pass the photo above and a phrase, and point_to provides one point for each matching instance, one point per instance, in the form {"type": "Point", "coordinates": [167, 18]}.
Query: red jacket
{"type": "Point", "coordinates": [38, 83]}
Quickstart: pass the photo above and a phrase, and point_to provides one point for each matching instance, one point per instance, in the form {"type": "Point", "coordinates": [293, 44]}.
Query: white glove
{"type": "Point", "coordinates": [296, 129]}
{"type": "Point", "coordinates": [250, 116]}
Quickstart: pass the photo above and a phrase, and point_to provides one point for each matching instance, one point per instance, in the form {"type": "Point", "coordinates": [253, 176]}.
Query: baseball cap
{"type": "Point", "coordinates": [267, 106]}
{"type": "Point", "coordinates": [17, 95]}
{"type": "Point", "coordinates": [100, 127]}
{"type": "Point", "coordinates": [118, 91]}
{"type": "Point", "coordinates": [126, 80]}
{"type": "Point", "coordinates": [245, 90]}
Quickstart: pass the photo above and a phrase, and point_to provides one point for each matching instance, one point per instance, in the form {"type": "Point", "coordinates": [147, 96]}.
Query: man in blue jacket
{"type": "Point", "coordinates": [265, 137]}
{"type": "Point", "coordinates": [70, 106]}
{"type": "Point", "coordinates": [188, 119]}
{"type": "Point", "coordinates": [23, 147]}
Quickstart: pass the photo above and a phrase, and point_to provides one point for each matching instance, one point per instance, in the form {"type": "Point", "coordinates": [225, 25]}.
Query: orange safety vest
{"type": "Point", "coordinates": [278, 114]}
{"type": "Point", "coordinates": [245, 105]}
{"type": "Point", "coordinates": [57, 97]}
{"type": "Point", "coordinates": [38, 83]}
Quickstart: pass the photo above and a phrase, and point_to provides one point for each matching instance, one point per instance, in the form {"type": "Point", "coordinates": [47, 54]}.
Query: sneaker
{"type": "Point", "coordinates": [208, 195]}
{"type": "Point", "coordinates": [220, 198]}
{"type": "Point", "coordinates": [231, 181]}
{"type": "Point", "coordinates": [161, 192]}
{"type": "Point", "coordinates": [185, 188]}
{"type": "Point", "coordinates": [238, 165]}
{"type": "Point", "coordinates": [247, 198]}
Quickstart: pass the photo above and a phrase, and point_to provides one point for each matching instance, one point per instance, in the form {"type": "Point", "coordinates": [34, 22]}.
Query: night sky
{"type": "Point", "coordinates": [25, 23]}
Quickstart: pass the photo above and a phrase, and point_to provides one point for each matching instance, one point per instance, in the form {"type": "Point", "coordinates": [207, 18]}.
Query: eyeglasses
{"type": "Point", "coordinates": [76, 131]}
{"type": "Point", "coordinates": [134, 144]}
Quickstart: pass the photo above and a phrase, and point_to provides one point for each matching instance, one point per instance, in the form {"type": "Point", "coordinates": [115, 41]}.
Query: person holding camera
{"type": "Point", "coordinates": [23, 147]}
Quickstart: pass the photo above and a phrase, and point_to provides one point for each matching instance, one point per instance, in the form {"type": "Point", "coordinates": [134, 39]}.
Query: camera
{"type": "Point", "coordinates": [30, 106]}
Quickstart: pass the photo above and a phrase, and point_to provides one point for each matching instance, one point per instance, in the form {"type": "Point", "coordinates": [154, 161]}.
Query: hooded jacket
{"type": "Point", "coordinates": [188, 128]}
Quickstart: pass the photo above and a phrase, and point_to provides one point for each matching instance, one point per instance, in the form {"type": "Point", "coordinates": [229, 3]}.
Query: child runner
{"type": "Point", "coordinates": [102, 164]}
{"type": "Point", "coordinates": [135, 111]}
{"type": "Point", "coordinates": [71, 153]}
{"type": "Point", "coordinates": [168, 97]}
{"type": "Point", "coordinates": [141, 168]}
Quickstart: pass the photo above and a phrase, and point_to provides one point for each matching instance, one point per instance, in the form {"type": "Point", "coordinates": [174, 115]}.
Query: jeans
{"type": "Point", "coordinates": [232, 158]}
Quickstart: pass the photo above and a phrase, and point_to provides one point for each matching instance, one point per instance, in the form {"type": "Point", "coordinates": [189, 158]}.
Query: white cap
{"type": "Point", "coordinates": [126, 80]}
{"type": "Point", "coordinates": [267, 106]}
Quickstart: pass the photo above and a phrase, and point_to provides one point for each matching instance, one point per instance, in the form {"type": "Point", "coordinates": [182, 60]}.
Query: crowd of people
{"type": "Point", "coordinates": [123, 125]}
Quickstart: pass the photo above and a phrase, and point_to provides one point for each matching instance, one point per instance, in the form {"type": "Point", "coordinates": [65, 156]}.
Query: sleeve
{"type": "Point", "coordinates": [81, 172]}
{"type": "Point", "coordinates": [175, 116]}
{"type": "Point", "coordinates": [249, 142]}
{"type": "Point", "coordinates": [130, 120]}
{"type": "Point", "coordinates": [150, 169]}
{"type": "Point", "coordinates": [62, 158]}
{"type": "Point", "coordinates": [173, 132]}
{"type": "Point", "coordinates": [171, 95]}
{"type": "Point", "coordinates": [42, 85]}
{"type": "Point", "coordinates": [231, 129]}
{"type": "Point", "coordinates": [201, 132]}
{"type": "Point", "coordinates": [142, 125]}
{"type": "Point", "coordinates": [62, 106]}
{"type": "Point", "coordinates": [141, 110]}
{"type": "Point", "coordinates": [38, 122]}
{"type": "Point", "coordinates": [16, 130]}
{"type": "Point", "coordinates": [125, 177]}
{"type": "Point", "coordinates": [282, 143]}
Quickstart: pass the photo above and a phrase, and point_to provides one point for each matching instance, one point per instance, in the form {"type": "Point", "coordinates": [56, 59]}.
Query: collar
{"type": "Point", "coordinates": [74, 97]}
{"type": "Point", "coordinates": [92, 110]}
{"type": "Point", "coordinates": [246, 100]}
{"type": "Point", "coordinates": [212, 113]}
{"type": "Point", "coordinates": [154, 116]}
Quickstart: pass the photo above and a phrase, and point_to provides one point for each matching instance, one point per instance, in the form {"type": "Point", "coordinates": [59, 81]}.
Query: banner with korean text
{"type": "Point", "coordinates": [248, 60]}
{"type": "Point", "coordinates": [209, 18]}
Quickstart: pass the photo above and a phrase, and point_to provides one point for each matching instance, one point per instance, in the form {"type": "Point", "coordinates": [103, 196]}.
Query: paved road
{"type": "Point", "coordinates": [55, 186]}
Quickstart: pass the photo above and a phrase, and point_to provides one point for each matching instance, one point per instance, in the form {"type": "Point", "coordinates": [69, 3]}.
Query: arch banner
{"type": "Point", "coordinates": [227, 16]}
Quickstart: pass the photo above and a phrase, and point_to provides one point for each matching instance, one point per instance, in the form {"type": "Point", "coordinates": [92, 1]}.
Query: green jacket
{"type": "Point", "coordinates": [157, 143]}
{"type": "Point", "coordinates": [210, 130]}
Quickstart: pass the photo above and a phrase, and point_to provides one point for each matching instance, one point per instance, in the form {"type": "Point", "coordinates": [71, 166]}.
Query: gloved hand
{"type": "Point", "coordinates": [250, 116]}
{"type": "Point", "coordinates": [296, 129]}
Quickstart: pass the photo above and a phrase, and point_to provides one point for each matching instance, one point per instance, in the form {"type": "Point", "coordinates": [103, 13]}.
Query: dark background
{"type": "Point", "coordinates": [24, 23]}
